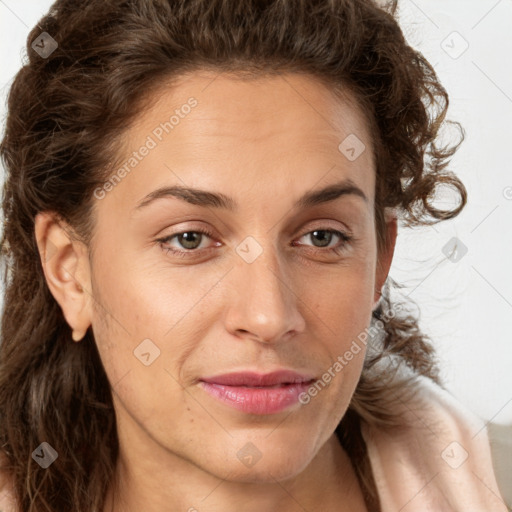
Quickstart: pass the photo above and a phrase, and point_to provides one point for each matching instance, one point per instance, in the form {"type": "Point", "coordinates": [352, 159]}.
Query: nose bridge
{"type": "Point", "coordinates": [264, 305]}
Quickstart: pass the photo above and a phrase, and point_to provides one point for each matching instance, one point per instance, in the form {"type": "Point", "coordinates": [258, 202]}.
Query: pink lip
{"type": "Point", "coordinates": [256, 393]}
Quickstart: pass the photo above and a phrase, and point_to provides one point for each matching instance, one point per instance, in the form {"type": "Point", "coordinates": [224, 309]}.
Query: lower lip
{"type": "Point", "coordinates": [254, 400]}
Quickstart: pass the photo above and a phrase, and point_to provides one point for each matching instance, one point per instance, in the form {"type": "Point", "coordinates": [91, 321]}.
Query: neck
{"type": "Point", "coordinates": [328, 483]}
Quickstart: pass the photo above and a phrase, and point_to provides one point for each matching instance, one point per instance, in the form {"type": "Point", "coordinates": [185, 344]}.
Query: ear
{"type": "Point", "coordinates": [385, 257]}
{"type": "Point", "coordinates": [66, 268]}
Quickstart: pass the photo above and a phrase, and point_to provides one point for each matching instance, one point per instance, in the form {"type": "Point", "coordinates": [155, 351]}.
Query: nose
{"type": "Point", "coordinates": [262, 304]}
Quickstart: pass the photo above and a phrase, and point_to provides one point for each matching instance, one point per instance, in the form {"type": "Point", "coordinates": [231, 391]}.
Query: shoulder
{"type": "Point", "coordinates": [440, 459]}
{"type": "Point", "coordinates": [7, 499]}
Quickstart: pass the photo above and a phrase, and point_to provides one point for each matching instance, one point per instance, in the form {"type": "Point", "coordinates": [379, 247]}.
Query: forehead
{"type": "Point", "coordinates": [282, 133]}
{"type": "Point", "coordinates": [251, 108]}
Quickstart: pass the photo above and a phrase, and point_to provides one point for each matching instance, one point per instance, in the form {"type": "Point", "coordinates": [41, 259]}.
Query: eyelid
{"type": "Point", "coordinates": [346, 239]}
{"type": "Point", "coordinates": [211, 234]}
{"type": "Point", "coordinates": [326, 225]}
{"type": "Point", "coordinates": [203, 231]}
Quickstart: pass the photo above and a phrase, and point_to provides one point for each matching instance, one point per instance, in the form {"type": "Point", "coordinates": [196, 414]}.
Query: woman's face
{"type": "Point", "coordinates": [263, 291]}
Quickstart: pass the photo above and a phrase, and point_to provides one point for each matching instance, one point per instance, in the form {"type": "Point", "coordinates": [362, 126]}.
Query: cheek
{"type": "Point", "coordinates": [340, 315]}
{"type": "Point", "coordinates": [147, 321]}
{"type": "Point", "coordinates": [341, 298]}
{"type": "Point", "coordinates": [140, 367]}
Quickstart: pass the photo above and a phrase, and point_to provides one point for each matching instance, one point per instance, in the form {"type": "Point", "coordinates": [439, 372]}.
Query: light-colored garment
{"type": "Point", "coordinates": [439, 462]}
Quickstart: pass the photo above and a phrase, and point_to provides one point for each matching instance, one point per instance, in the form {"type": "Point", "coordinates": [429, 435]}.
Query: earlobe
{"type": "Point", "coordinates": [66, 270]}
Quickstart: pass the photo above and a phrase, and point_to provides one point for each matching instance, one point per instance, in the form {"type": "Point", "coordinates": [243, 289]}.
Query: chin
{"type": "Point", "coordinates": [264, 464]}
{"type": "Point", "coordinates": [265, 472]}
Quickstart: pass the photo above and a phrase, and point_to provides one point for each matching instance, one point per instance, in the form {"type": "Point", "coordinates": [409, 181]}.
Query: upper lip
{"type": "Point", "coordinates": [249, 378]}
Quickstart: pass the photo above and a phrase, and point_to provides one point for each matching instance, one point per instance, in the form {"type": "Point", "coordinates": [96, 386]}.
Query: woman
{"type": "Point", "coordinates": [175, 337]}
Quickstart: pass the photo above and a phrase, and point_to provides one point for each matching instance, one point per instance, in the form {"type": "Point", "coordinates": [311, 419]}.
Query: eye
{"type": "Point", "coordinates": [326, 236]}
{"type": "Point", "coordinates": [188, 240]}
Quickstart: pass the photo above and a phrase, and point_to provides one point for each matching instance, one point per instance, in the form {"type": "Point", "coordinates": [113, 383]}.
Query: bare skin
{"type": "Point", "coordinates": [297, 305]}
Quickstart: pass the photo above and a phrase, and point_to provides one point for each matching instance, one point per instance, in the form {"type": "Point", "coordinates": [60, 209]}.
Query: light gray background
{"type": "Point", "coordinates": [466, 306]}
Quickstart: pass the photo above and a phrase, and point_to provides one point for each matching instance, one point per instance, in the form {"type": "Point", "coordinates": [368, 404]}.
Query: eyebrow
{"type": "Point", "coordinates": [209, 199]}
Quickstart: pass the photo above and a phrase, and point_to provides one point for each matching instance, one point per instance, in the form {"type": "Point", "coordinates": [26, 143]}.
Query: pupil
{"type": "Point", "coordinates": [326, 239]}
{"type": "Point", "coordinates": [187, 238]}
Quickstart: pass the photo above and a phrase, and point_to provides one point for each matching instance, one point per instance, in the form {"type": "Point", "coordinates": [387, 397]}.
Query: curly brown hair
{"type": "Point", "coordinates": [62, 109]}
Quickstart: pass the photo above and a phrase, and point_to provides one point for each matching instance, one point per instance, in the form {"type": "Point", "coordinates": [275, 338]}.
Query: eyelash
{"type": "Point", "coordinates": [337, 250]}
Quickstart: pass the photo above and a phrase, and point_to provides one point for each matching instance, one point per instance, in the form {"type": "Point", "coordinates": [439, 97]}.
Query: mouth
{"type": "Point", "coordinates": [256, 393]}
